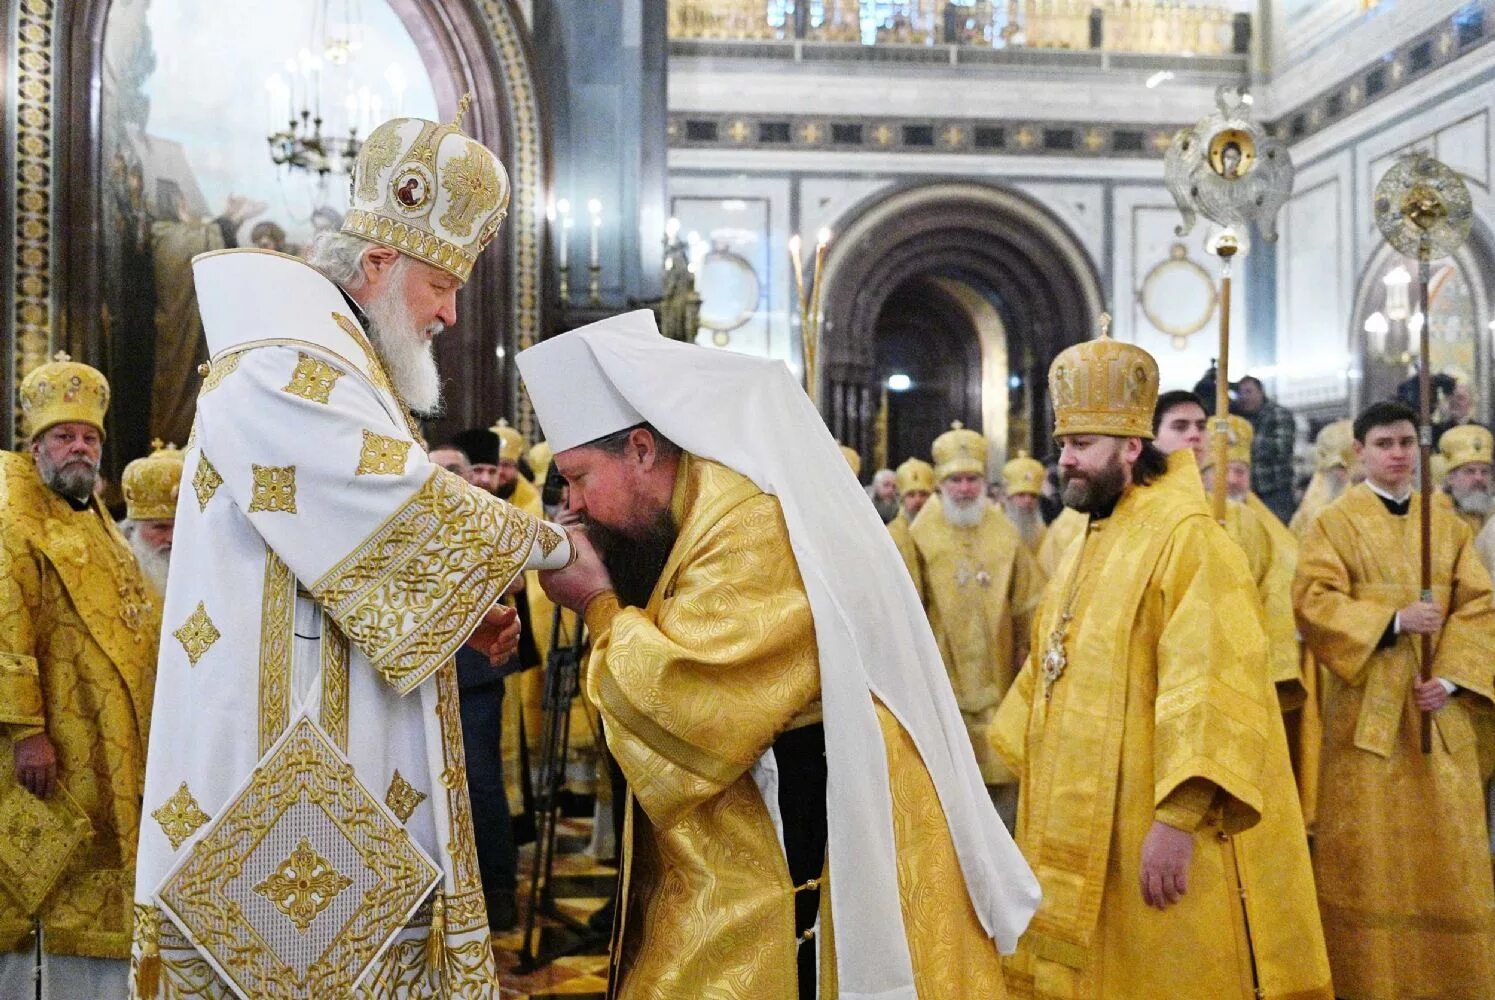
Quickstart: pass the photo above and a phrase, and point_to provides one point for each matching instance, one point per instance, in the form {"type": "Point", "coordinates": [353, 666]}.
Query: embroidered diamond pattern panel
{"type": "Point", "coordinates": [205, 481]}
{"type": "Point", "coordinates": [547, 538]}
{"type": "Point", "coordinates": [313, 379]}
{"type": "Point", "coordinates": [197, 633]}
{"type": "Point", "coordinates": [382, 456]}
{"type": "Point", "coordinates": [303, 885]}
{"type": "Point", "coordinates": [274, 489]}
{"type": "Point", "coordinates": [402, 797]}
{"type": "Point", "coordinates": [180, 816]}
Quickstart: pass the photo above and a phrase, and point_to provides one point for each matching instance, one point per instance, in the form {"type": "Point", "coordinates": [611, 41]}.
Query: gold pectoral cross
{"type": "Point", "coordinates": [1054, 657]}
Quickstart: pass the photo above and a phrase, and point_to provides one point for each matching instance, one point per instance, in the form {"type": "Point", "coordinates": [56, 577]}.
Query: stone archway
{"type": "Point", "coordinates": [991, 239]}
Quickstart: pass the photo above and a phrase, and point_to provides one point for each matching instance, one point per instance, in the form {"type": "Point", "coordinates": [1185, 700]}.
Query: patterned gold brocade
{"type": "Point", "coordinates": [205, 481]}
{"type": "Point", "coordinates": [277, 640]}
{"type": "Point", "coordinates": [274, 489]}
{"type": "Point", "coordinates": [180, 816]}
{"type": "Point", "coordinates": [197, 634]}
{"type": "Point", "coordinates": [1069, 525]}
{"type": "Point", "coordinates": [303, 885]}
{"type": "Point", "coordinates": [78, 636]}
{"type": "Point", "coordinates": [1165, 697]}
{"type": "Point", "coordinates": [413, 591]}
{"type": "Point", "coordinates": [898, 528]}
{"type": "Point", "coordinates": [313, 379]}
{"type": "Point", "coordinates": [694, 687]}
{"type": "Point", "coordinates": [335, 684]}
{"type": "Point", "coordinates": [1401, 850]}
{"type": "Point", "coordinates": [382, 456]}
{"type": "Point", "coordinates": [980, 587]}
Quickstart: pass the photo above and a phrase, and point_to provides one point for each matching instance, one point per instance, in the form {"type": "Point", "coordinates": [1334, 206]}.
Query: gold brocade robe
{"type": "Point", "coordinates": [1402, 851]}
{"type": "Point", "coordinates": [899, 529]}
{"type": "Point", "coordinates": [1064, 529]}
{"type": "Point", "coordinates": [78, 631]}
{"type": "Point", "coordinates": [694, 688]}
{"type": "Point", "coordinates": [980, 586]}
{"type": "Point", "coordinates": [1273, 560]}
{"type": "Point", "coordinates": [1164, 712]}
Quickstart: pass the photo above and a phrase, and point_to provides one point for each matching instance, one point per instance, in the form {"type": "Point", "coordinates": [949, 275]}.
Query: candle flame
{"type": "Point", "coordinates": [823, 237]}
{"type": "Point", "coordinates": [794, 244]}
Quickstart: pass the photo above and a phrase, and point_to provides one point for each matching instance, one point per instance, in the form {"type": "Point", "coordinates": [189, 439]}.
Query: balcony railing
{"type": "Point", "coordinates": [1170, 27]}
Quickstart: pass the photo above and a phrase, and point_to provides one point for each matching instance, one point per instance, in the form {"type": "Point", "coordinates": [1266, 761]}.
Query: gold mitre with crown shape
{"type": "Point", "coordinates": [914, 474]}
{"type": "Point", "coordinates": [1104, 387]}
{"type": "Point", "coordinates": [63, 391]}
{"type": "Point", "coordinates": [429, 191]}
{"type": "Point", "coordinates": [958, 450]}
{"type": "Point", "coordinates": [1464, 444]}
{"type": "Point", "coordinates": [853, 458]}
{"type": "Point", "coordinates": [540, 457]}
{"type": "Point", "coordinates": [1334, 448]}
{"type": "Point", "coordinates": [1023, 475]}
{"type": "Point", "coordinates": [510, 441]}
{"type": "Point", "coordinates": [1237, 442]}
{"type": "Point", "coordinates": [151, 484]}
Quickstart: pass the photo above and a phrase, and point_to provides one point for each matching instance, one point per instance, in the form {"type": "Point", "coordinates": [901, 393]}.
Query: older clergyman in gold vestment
{"type": "Point", "coordinates": [915, 480]}
{"type": "Point", "coordinates": [979, 583]}
{"type": "Point", "coordinates": [806, 817]}
{"type": "Point", "coordinates": [1402, 852]}
{"type": "Point", "coordinates": [78, 631]}
{"type": "Point", "coordinates": [1157, 804]}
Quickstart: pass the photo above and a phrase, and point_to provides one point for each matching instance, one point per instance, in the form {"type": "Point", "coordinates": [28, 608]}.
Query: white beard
{"type": "Point", "coordinates": [1028, 521]}
{"type": "Point", "coordinates": [963, 515]}
{"type": "Point", "coordinates": [1472, 502]}
{"type": "Point", "coordinates": [154, 563]}
{"type": "Point", "coordinates": [410, 360]}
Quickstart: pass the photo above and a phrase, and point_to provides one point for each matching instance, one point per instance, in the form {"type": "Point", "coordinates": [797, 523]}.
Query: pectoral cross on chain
{"type": "Point", "coordinates": [1054, 657]}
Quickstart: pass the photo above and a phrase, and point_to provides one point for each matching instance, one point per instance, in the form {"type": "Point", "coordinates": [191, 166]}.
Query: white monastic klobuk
{"type": "Point", "coordinates": [305, 785]}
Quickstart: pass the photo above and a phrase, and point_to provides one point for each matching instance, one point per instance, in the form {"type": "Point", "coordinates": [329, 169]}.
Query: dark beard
{"type": "Point", "coordinates": [634, 563]}
{"type": "Point", "coordinates": [887, 508]}
{"type": "Point", "coordinates": [1096, 494]}
{"type": "Point", "coordinates": [505, 492]}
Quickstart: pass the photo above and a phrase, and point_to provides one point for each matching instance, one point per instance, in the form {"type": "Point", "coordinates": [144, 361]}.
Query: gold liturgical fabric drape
{"type": "Point", "coordinates": [1401, 851]}
{"type": "Point", "coordinates": [693, 689]}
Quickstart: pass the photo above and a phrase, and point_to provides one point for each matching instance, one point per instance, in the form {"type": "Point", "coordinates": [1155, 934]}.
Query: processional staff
{"type": "Point", "coordinates": [1228, 169]}
{"type": "Point", "coordinates": [1423, 210]}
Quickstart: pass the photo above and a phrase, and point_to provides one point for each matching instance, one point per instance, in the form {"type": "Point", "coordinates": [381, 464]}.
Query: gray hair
{"type": "Point", "coordinates": [339, 256]}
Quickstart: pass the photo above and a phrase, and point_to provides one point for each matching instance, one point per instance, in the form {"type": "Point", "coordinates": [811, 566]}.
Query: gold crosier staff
{"type": "Point", "coordinates": [1423, 209]}
{"type": "Point", "coordinates": [809, 309]}
{"type": "Point", "coordinates": [1230, 170]}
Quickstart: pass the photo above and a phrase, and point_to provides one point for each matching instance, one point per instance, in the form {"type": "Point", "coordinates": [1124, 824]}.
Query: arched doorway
{"type": "Point", "coordinates": [979, 285]}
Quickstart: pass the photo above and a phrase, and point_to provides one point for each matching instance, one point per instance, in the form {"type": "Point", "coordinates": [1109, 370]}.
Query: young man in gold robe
{"type": "Point", "coordinates": [980, 585]}
{"type": "Point", "coordinates": [79, 624]}
{"type": "Point", "coordinates": [915, 479]}
{"type": "Point", "coordinates": [1402, 851]}
{"type": "Point", "coordinates": [1157, 805]}
{"type": "Point", "coordinates": [800, 776]}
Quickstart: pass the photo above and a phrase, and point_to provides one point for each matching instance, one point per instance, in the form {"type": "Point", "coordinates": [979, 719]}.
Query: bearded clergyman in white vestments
{"type": "Point", "coordinates": [307, 830]}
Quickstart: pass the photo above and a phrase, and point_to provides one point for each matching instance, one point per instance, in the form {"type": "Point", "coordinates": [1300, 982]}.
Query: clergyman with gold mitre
{"type": "Point", "coordinates": [78, 630]}
{"type": "Point", "coordinates": [308, 827]}
{"type": "Point", "coordinates": [151, 486]}
{"type": "Point", "coordinates": [1022, 484]}
{"type": "Point", "coordinates": [1158, 805]}
{"type": "Point", "coordinates": [915, 481]}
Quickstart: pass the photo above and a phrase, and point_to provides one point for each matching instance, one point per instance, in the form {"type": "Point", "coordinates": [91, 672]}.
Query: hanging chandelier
{"type": "Point", "coordinates": [308, 142]}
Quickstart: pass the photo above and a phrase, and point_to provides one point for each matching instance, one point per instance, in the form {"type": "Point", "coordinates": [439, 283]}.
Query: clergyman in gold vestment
{"type": "Point", "coordinates": [718, 701]}
{"type": "Point", "coordinates": [915, 480]}
{"type": "Point", "coordinates": [1157, 802]}
{"type": "Point", "coordinates": [1402, 851]}
{"type": "Point", "coordinates": [79, 625]}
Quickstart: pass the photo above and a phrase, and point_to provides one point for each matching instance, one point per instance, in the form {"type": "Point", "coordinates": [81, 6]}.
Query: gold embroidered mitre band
{"type": "Point", "coordinates": [853, 459]}
{"type": "Point", "coordinates": [1023, 475]}
{"type": "Point", "coordinates": [151, 484]}
{"type": "Point", "coordinates": [1462, 445]}
{"type": "Point", "coordinates": [510, 442]}
{"type": "Point", "coordinates": [1237, 442]}
{"type": "Point", "coordinates": [958, 450]}
{"type": "Point", "coordinates": [914, 474]}
{"type": "Point", "coordinates": [1104, 387]}
{"type": "Point", "coordinates": [63, 391]}
{"type": "Point", "coordinates": [429, 191]}
{"type": "Point", "coordinates": [1334, 446]}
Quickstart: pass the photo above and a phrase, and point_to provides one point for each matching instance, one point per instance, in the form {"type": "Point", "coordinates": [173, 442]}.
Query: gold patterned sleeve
{"type": "Point", "coordinates": [694, 694]}
{"type": "Point", "coordinates": [1008, 732]}
{"type": "Point", "coordinates": [1028, 581]}
{"type": "Point", "coordinates": [1211, 715]}
{"type": "Point", "coordinates": [1340, 630]}
{"type": "Point", "coordinates": [21, 708]}
{"type": "Point", "coordinates": [1463, 654]}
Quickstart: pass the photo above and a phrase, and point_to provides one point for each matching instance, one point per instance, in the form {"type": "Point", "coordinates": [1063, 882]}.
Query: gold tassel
{"type": "Point", "coordinates": [436, 940]}
{"type": "Point", "coordinates": [148, 965]}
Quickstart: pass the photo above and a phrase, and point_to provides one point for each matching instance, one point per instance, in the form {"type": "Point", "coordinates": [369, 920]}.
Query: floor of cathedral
{"type": "Point", "coordinates": [581, 887]}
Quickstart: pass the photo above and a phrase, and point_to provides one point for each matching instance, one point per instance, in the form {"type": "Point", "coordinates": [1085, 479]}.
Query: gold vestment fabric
{"type": "Point", "coordinates": [1064, 529]}
{"type": "Point", "coordinates": [980, 587]}
{"type": "Point", "coordinates": [694, 688]}
{"type": "Point", "coordinates": [1402, 850]}
{"type": "Point", "coordinates": [78, 631]}
{"type": "Point", "coordinates": [899, 529]}
{"type": "Point", "coordinates": [1164, 712]}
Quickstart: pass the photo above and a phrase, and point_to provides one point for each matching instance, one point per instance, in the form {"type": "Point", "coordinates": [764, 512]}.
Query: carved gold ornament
{"type": "Point", "coordinates": [402, 797]}
{"type": "Point", "coordinates": [180, 816]}
{"type": "Point", "coordinates": [303, 879]}
{"type": "Point", "coordinates": [274, 489]}
{"type": "Point", "coordinates": [382, 456]}
{"type": "Point", "coordinates": [197, 633]}
{"type": "Point", "coordinates": [205, 481]}
{"type": "Point", "coordinates": [473, 184]}
{"type": "Point", "coordinates": [1229, 169]}
{"type": "Point", "coordinates": [1178, 296]}
{"type": "Point", "coordinates": [313, 379]}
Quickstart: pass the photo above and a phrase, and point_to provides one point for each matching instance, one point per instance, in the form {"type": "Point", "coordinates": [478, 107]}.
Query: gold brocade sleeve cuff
{"type": "Point", "coordinates": [600, 612]}
{"type": "Point", "coordinates": [1187, 805]}
{"type": "Point", "coordinates": [20, 692]}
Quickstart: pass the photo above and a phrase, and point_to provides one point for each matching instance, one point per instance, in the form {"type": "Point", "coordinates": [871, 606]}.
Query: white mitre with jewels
{"type": "Point", "coordinates": [429, 191]}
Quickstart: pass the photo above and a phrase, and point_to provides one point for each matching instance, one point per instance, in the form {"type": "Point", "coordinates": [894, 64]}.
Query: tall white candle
{"type": "Point", "coordinates": [595, 208]}
{"type": "Point", "coordinates": [564, 208]}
